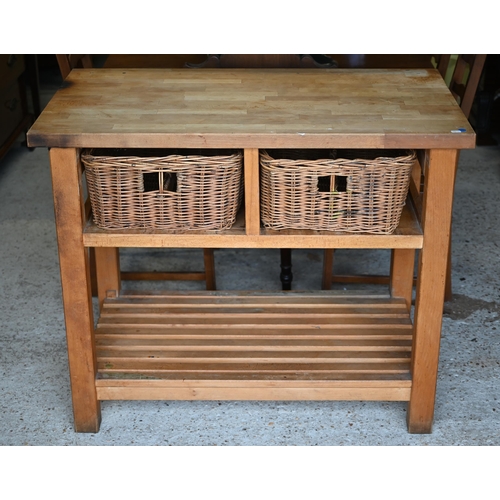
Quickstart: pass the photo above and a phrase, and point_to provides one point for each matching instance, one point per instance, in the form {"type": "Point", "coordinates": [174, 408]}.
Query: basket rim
{"type": "Point", "coordinates": [410, 156]}
{"type": "Point", "coordinates": [89, 154]}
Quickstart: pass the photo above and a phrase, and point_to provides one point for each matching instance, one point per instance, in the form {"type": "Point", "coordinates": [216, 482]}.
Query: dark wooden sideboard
{"type": "Point", "coordinates": [16, 72]}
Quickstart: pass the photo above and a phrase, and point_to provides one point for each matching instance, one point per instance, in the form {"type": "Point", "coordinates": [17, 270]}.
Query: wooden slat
{"type": "Point", "coordinates": [254, 338]}
{"type": "Point", "coordinates": [122, 346]}
{"type": "Point", "coordinates": [257, 354]}
{"type": "Point", "coordinates": [259, 299]}
{"type": "Point", "coordinates": [269, 377]}
{"type": "Point", "coordinates": [259, 393]}
{"type": "Point", "coordinates": [306, 384]}
{"type": "Point", "coordinates": [245, 312]}
{"type": "Point", "coordinates": [241, 309]}
{"type": "Point", "coordinates": [223, 322]}
{"type": "Point", "coordinates": [276, 371]}
{"type": "Point", "coordinates": [249, 330]}
{"type": "Point", "coordinates": [176, 303]}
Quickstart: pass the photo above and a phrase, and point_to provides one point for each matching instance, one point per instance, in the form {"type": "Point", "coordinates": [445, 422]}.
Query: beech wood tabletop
{"type": "Point", "coordinates": [248, 108]}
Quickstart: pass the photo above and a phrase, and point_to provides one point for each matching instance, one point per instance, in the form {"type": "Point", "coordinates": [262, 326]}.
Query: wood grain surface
{"type": "Point", "coordinates": [243, 346]}
{"type": "Point", "coordinates": [253, 108]}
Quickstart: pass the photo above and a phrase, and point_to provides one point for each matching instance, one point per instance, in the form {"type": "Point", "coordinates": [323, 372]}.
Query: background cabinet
{"type": "Point", "coordinates": [15, 117]}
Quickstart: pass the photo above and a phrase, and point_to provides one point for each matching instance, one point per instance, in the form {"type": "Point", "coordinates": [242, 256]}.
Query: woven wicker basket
{"type": "Point", "coordinates": [345, 190]}
{"type": "Point", "coordinates": [178, 190]}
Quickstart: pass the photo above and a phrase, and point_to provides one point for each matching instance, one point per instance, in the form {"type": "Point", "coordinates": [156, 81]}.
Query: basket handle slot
{"type": "Point", "coordinates": [159, 181]}
{"type": "Point", "coordinates": [332, 183]}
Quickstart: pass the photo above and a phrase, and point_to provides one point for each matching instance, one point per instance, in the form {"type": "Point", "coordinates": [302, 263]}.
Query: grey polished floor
{"type": "Point", "coordinates": [35, 400]}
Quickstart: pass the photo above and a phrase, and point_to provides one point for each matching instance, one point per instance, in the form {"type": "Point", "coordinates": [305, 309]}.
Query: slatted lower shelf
{"type": "Point", "coordinates": [282, 346]}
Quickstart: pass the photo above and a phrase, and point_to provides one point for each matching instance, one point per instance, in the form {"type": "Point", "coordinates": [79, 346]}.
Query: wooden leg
{"type": "Point", "coordinates": [75, 280]}
{"type": "Point", "coordinates": [208, 256]}
{"type": "Point", "coordinates": [107, 272]}
{"type": "Point", "coordinates": [436, 222]}
{"type": "Point", "coordinates": [286, 275]}
{"type": "Point", "coordinates": [402, 268]}
{"type": "Point", "coordinates": [326, 283]}
{"type": "Point", "coordinates": [448, 295]}
{"type": "Point", "coordinates": [93, 272]}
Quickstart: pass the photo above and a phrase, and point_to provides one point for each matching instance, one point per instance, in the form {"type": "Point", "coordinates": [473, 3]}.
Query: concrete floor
{"type": "Point", "coordinates": [35, 400]}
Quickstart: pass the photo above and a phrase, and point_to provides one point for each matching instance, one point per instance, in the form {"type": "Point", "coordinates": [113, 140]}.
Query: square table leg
{"type": "Point", "coordinates": [401, 275]}
{"type": "Point", "coordinates": [76, 288]}
{"type": "Point", "coordinates": [107, 273]}
{"type": "Point", "coordinates": [436, 224]}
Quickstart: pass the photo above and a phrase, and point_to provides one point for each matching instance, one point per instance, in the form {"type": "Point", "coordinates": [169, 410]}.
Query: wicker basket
{"type": "Point", "coordinates": [168, 190]}
{"type": "Point", "coordinates": [343, 190]}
